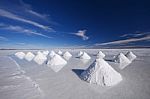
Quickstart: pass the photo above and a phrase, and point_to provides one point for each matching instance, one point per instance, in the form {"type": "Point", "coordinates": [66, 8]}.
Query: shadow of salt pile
{"type": "Point", "coordinates": [78, 71]}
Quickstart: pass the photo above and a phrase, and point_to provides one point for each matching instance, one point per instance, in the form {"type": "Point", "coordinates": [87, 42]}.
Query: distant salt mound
{"type": "Point", "coordinates": [45, 52]}
{"type": "Point", "coordinates": [101, 73]}
{"type": "Point", "coordinates": [67, 55]}
{"type": "Point", "coordinates": [20, 55]}
{"type": "Point", "coordinates": [56, 63]}
{"type": "Point", "coordinates": [80, 53]}
{"type": "Point", "coordinates": [85, 56]}
{"type": "Point", "coordinates": [100, 54]}
{"type": "Point", "coordinates": [52, 53]}
{"type": "Point", "coordinates": [60, 52]}
{"type": "Point", "coordinates": [123, 60]}
{"type": "Point", "coordinates": [29, 56]}
{"type": "Point", "coordinates": [130, 56]}
{"type": "Point", "coordinates": [40, 58]}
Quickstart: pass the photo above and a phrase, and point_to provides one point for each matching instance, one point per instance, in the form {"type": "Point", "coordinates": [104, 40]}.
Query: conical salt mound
{"type": "Point", "coordinates": [100, 54]}
{"type": "Point", "coordinates": [29, 56]}
{"type": "Point", "coordinates": [52, 53]}
{"type": "Point", "coordinates": [56, 63]}
{"type": "Point", "coordinates": [67, 54]}
{"type": "Point", "coordinates": [123, 60]}
{"type": "Point", "coordinates": [45, 53]}
{"type": "Point", "coordinates": [101, 73]}
{"type": "Point", "coordinates": [85, 56]}
{"type": "Point", "coordinates": [60, 52]}
{"type": "Point", "coordinates": [40, 58]}
{"type": "Point", "coordinates": [20, 55]}
{"type": "Point", "coordinates": [130, 56]}
{"type": "Point", "coordinates": [80, 53]}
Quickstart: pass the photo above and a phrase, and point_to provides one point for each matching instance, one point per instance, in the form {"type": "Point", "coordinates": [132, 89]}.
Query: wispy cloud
{"type": "Point", "coordinates": [20, 29]}
{"type": "Point", "coordinates": [126, 41]}
{"type": "Point", "coordinates": [2, 38]}
{"type": "Point", "coordinates": [82, 34]}
{"type": "Point", "coordinates": [10, 15]}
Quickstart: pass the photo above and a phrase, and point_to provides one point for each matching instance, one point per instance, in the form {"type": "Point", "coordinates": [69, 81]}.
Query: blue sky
{"type": "Point", "coordinates": [74, 23]}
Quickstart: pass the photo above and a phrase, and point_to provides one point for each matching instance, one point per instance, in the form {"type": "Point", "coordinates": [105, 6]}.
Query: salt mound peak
{"type": "Point", "coordinates": [101, 73]}
{"type": "Point", "coordinates": [29, 56]}
{"type": "Point", "coordinates": [52, 53]}
{"type": "Point", "coordinates": [45, 52]}
{"type": "Point", "coordinates": [100, 54]}
{"type": "Point", "coordinates": [67, 54]}
{"type": "Point", "coordinates": [20, 55]}
{"type": "Point", "coordinates": [130, 56]}
{"type": "Point", "coordinates": [122, 60]}
{"type": "Point", "coordinates": [85, 56]}
{"type": "Point", "coordinates": [80, 53]}
{"type": "Point", "coordinates": [40, 58]}
{"type": "Point", "coordinates": [60, 52]}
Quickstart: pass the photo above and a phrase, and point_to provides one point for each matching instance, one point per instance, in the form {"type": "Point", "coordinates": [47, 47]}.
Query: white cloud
{"type": "Point", "coordinates": [10, 15]}
{"type": "Point", "coordinates": [2, 38]}
{"type": "Point", "coordinates": [126, 41]}
{"type": "Point", "coordinates": [82, 34]}
{"type": "Point", "coordinates": [20, 29]}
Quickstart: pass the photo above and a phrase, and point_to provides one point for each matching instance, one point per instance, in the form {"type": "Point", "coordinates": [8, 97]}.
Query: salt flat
{"type": "Point", "coordinates": [20, 79]}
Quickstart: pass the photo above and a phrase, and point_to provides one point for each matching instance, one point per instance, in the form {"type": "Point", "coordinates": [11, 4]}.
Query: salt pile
{"type": "Point", "coordinates": [20, 55]}
{"type": "Point", "coordinates": [29, 56]}
{"type": "Point", "coordinates": [45, 53]}
{"type": "Point", "coordinates": [85, 56]}
{"type": "Point", "coordinates": [130, 56]}
{"type": "Point", "coordinates": [100, 54]}
{"type": "Point", "coordinates": [101, 73]}
{"type": "Point", "coordinates": [52, 53]}
{"type": "Point", "coordinates": [56, 63]}
{"type": "Point", "coordinates": [123, 60]}
{"type": "Point", "coordinates": [40, 58]}
{"type": "Point", "coordinates": [60, 52]}
{"type": "Point", "coordinates": [80, 53]}
{"type": "Point", "coordinates": [67, 54]}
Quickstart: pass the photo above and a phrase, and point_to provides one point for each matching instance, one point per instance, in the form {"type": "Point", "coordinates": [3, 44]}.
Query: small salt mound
{"type": "Point", "coordinates": [67, 55]}
{"type": "Point", "coordinates": [52, 53]}
{"type": "Point", "coordinates": [85, 56]}
{"type": "Point", "coordinates": [100, 54]}
{"type": "Point", "coordinates": [45, 53]}
{"type": "Point", "coordinates": [29, 56]}
{"type": "Point", "coordinates": [20, 55]}
{"type": "Point", "coordinates": [80, 53]}
{"type": "Point", "coordinates": [101, 73]}
{"type": "Point", "coordinates": [123, 60]}
{"type": "Point", "coordinates": [60, 52]}
{"type": "Point", "coordinates": [56, 63]}
{"type": "Point", "coordinates": [130, 56]}
{"type": "Point", "coordinates": [40, 58]}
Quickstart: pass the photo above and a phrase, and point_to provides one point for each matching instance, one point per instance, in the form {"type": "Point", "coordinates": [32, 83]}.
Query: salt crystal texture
{"type": "Point", "coordinates": [40, 58]}
{"type": "Point", "coordinates": [123, 60]}
{"type": "Point", "coordinates": [85, 56]}
{"type": "Point", "coordinates": [56, 63]}
{"type": "Point", "coordinates": [29, 56]}
{"type": "Point", "coordinates": [52, 53]}
{"type": "Point", "coordinates": [101, 73]}
{"type": "Point", "coordinates": [20, 55]}
{"type": "Point", "coordinates": [100, 54]}
{"type": "Point", "coordinates": [130, 56]}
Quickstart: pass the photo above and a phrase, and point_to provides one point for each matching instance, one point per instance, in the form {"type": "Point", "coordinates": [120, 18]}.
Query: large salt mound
{"type": "Point", "coordinates": [45, 53]}
{"type": "Point", "coordinates": [52, 53]}
{"type": "Point", "coordinates": [85, 56]}
{"type": "Point", "coordinates": [56, 63]}
{"type": "Point", "coordinates": [60, 52]}
{"type": "Point", "coordinates": [20, 55]}
{"type": "Point", "coordinates": [130, 56]}
{"type": "Point", "coordinates": [67, 55]}
{"type": "Point", "coordinates": [100, 54]}
{"type": "Point", "coordinates": [101, 73]}
{"type": "Point", "coordinates": [40, 58]}
{"type": "Point", "coordinates": [123, 60]}
{"type": "Point", "coordinates": [29, 56]}
{"type": "Point", "coordinates": [80, 53]}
